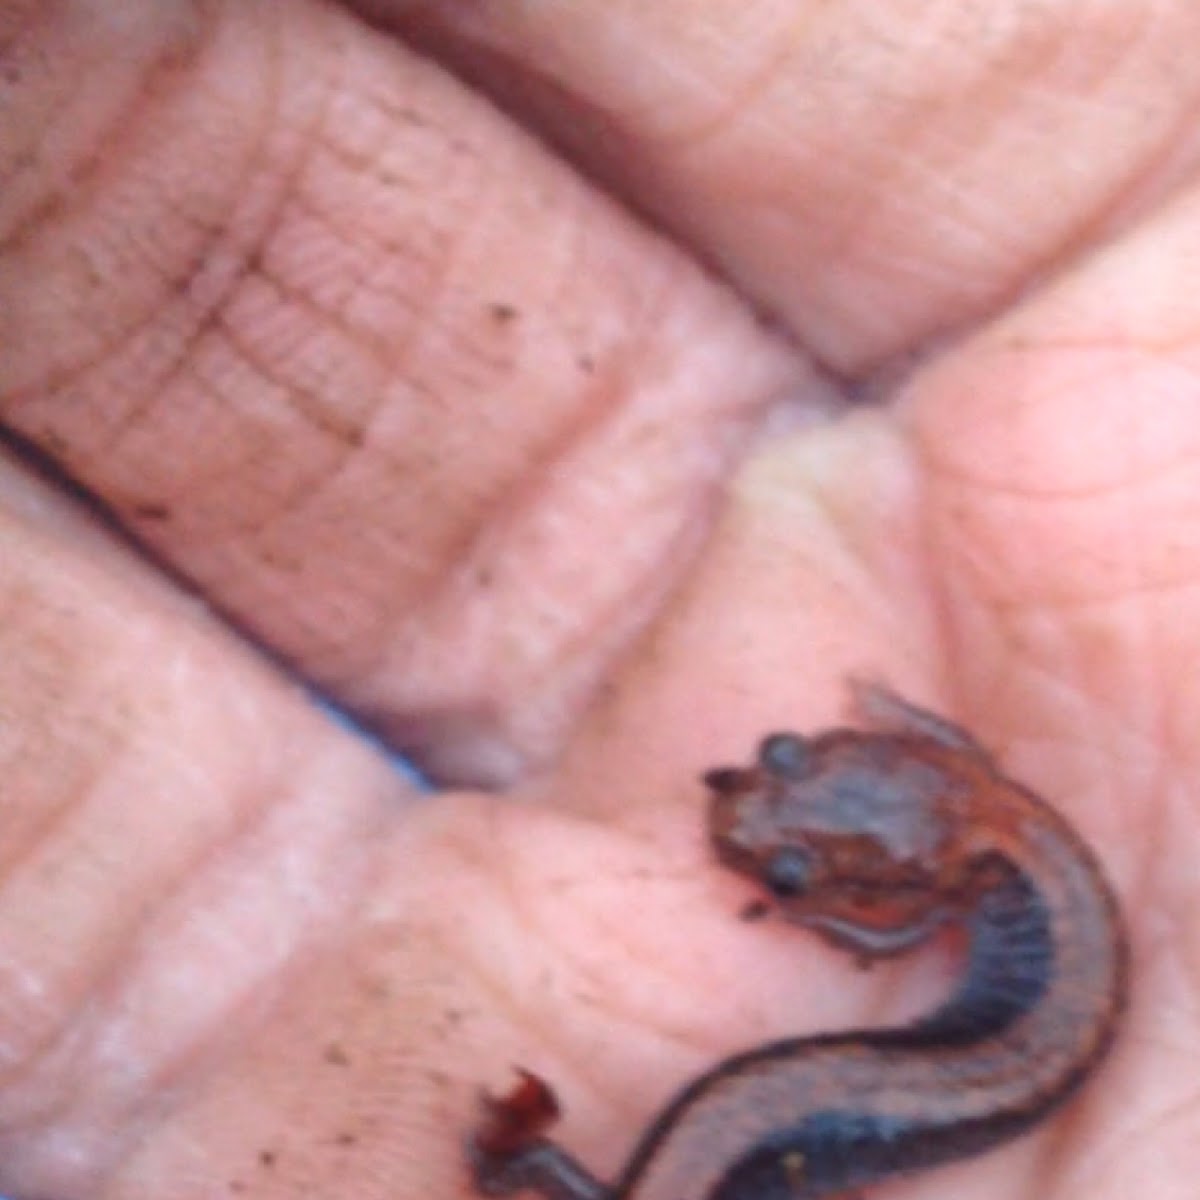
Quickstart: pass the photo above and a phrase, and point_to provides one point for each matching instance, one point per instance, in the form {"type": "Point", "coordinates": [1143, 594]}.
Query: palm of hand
{"type": "Point", "coordinates": [422, 412]}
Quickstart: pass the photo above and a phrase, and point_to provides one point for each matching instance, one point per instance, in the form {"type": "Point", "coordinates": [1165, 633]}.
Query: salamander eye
{"type": "Point", "coordinates": [789, 872]}
{"type": "Point", "coordinates": [785, 754]}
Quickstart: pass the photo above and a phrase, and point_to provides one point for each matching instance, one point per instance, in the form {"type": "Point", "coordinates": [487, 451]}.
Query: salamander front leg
{"type": "Point", "coordinates": [880, 708]}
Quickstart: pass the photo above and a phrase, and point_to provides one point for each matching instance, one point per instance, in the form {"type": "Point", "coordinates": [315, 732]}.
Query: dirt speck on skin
{"type": "Point", "coordinates": [502, 313]}
{"type": "Point", "coordinates": [151, 512]}
{"type": "Point", "coordinates": [335, 1055]}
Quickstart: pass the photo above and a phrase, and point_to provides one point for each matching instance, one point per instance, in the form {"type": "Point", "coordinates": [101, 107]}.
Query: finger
{"type": "Point", "coordinates": [183, 832]}
{"type": "Point", "coordinates": [876, 176]}
{"type": "Point", "coordinates": [369, 368]}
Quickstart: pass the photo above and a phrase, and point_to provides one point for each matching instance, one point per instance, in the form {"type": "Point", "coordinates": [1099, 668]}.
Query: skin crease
{"type": "Point", "coordinates": [457, 428]}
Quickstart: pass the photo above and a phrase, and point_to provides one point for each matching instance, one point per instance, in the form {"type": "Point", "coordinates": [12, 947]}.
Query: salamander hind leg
{"type": "Point", "coordinates": [507, 1152]}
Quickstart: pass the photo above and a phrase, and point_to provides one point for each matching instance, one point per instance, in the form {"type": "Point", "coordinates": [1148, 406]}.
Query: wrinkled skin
{"type": "Point", "coordinates": [569, 393]}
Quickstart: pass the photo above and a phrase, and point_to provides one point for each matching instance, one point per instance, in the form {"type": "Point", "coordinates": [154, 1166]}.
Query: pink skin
{"type": "Point", "coordinates": [489, 442]}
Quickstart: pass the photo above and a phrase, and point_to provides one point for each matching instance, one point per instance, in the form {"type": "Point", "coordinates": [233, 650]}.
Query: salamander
{"type": "Point", "coordinates": [874, 838]}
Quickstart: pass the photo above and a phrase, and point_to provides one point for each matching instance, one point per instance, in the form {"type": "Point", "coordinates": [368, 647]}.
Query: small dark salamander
{"type": "Point", "coordinates": [873, 839]}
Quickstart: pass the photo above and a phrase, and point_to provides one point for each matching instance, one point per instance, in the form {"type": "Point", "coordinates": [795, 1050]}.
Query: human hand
{"type": "Point", "coordinates": [429, 417]}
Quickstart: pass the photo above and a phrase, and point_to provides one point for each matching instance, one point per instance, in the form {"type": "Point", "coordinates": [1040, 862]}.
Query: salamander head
{"type": "Point", "coordinates": [848, 829]}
